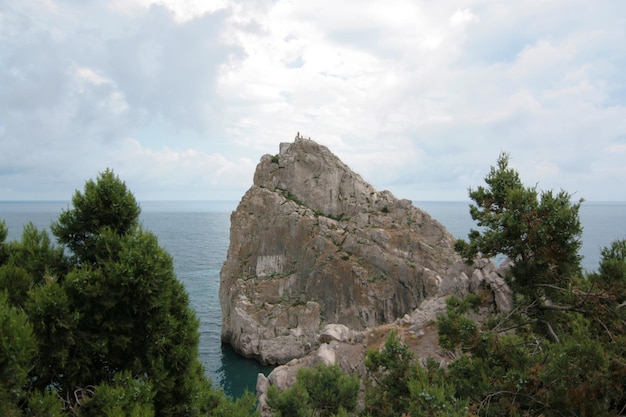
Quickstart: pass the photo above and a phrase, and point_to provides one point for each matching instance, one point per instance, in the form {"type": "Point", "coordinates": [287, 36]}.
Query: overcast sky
{"type": "Point", "coordinates": [181, 98]}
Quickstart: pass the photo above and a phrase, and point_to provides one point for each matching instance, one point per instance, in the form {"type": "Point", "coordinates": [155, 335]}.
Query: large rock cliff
{"type": "Point", "coordinates": [312, 243]}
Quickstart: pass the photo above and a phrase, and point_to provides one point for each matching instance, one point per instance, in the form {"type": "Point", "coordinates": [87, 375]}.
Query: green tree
{"type": "Point", "coordinates": [516, 363]}
{"type": "Point", "coordinates": [604, 299]}
{"type": "Point", "coordinates": [611, 276]}
{"type": "Point", "coordinates": [330, 389]}
{"type": "Point", "coordinates": [105, 203]}
{"type": "Point", "coordinates": [539, 231]}
{"type": "Point", "coordinates": [132, 302]}
{"type": "Point", "coordinates": [44, 404]}
{"type": "Point", "coordinates": [560, 351]}
{"type": "Point", "coordinates": [493, 372]}
{"type": "Point", "coordinates": [504, 372]}
{"type": "Point", "coordinates": [128, 310]}
{"type": "Point", "coordinates": [293, 402]}
{"type": "Point", "coordinates": [29, 263]}
{"type": "Point", "coordinates": [112, 332]}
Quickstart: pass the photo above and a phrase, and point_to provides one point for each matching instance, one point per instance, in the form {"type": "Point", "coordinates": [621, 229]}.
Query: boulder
{"type": "Point", "coordinates": [336, 332]}
{"type": "Point", "coordinates": [326, 354]}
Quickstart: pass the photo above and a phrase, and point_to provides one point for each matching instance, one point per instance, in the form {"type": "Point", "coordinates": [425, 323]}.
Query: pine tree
{"type": "Point", "coordinates": [539, 231]}
{"type": "Point", "coordinates": [106, 331]}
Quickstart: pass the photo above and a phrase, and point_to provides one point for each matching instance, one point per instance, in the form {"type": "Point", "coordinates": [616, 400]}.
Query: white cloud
{"type": "Point", "coordinates": [417, 96]}
{"type": "Point", "coordinates": [91, 76]}
{"type": "Point", "coordinates": [462, 17]}
{"type": "Point", "coordinates": [201, 175]}
{"type": "Point", "coordinates": [182, 10]}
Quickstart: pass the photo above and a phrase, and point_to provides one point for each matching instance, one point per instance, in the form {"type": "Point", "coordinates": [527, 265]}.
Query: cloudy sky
{"type": "Point", "coordinates": [181, 98]}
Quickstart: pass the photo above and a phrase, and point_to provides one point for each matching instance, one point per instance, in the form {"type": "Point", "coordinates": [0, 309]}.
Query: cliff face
{"type": "Point", "coordinates": [312, 243]}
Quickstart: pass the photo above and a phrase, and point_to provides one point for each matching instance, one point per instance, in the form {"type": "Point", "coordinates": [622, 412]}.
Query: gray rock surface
{"type": "Point", "coordinates": [312, 243]}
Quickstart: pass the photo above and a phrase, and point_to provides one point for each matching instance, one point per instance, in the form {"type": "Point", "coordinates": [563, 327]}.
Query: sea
{"type": "Point", "coordinates": [196, 235]}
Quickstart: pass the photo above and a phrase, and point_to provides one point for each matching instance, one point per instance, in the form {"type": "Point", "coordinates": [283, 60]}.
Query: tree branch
{"type": "Point", "coordinates": [551, 333]}
{"type": "Point", "coordinates": [561, 308]}
{"type": "Point", "coordinates": [554, 287]}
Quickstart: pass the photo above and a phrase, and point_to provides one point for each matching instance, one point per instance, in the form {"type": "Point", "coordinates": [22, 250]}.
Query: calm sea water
{"type": "Point", "coordinates": [196, 235]}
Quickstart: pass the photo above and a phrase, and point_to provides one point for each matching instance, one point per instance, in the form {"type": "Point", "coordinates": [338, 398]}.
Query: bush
{"type": "Point", "coordinates": [321, 391]}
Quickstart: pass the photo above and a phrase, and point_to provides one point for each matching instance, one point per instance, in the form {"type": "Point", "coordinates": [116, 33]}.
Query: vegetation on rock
{"type": "Point", "coordinates": [323, 391]}
{"type": "Point", "coordinates": [559, 352]}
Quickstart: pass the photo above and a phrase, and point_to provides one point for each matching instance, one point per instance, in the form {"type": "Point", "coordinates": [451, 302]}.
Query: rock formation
{"type": "Point", "coordinates": [312, 243]}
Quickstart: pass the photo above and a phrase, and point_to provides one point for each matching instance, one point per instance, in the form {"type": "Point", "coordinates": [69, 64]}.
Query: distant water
{"type": "Point", "coordinates": [196, 235]}
{"type": "Point", "coordinates": [602, 224]}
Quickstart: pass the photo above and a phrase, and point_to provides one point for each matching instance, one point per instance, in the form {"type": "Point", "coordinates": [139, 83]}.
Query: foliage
{"type": "Point", "coordinates": [501, 372]}
{"type": "Point", "coordinates": [107, 331]}
{"type": "Point", "coordinates": [321, 391]}
{"type": "Point", "coordinates": [29, 262]}
{"type": "Point", "coordinates": [560, 352]}
{"type": "Point", "coordinates": [17, 351]}
{"type": "Point", "coordinates": [54, 322]}
{"type": "Point", "coordinates": [216, 404]}
{"type": "Point", "coordinates": [133, 303]}
{"type": "Point", "coordinates": [612, 272]}
{"type": "Point", "coordinates": [16, 281]}
{"type": "Point", "coordinates": [455, 329]}
{"type": "Point", "coordinates": [398, 385]}
{"type": "Point", "coordinates": [124, 396]}
{"type": "Point", "coordinates": [389, 372]}
{"type": "Point", "coordinates": [432, 395]}
{"type": "Point", "coordinates": [329, 389]}
{"type": "Point", "coordinates": [4, 232]}
{"type": "Point", "coordinates": [105, 203]}
{"type": "Point", "coordinates": [37, 255]}
{"type": "Point", "coordinates": [44, 404]}
{"type": "Point", "coordinates": [294, 401]}
{"type": "Point", "coordinates": [540, 232]}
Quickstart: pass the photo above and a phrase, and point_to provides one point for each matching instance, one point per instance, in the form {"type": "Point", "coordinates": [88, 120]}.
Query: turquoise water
{"type": "Point", "coordinates": [196, 235]}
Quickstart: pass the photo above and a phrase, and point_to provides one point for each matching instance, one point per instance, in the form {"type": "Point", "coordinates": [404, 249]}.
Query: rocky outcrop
{"type": "Point", "coordinates": [339, 345]}
{"type": "Point", "coordinates": [312, 243]}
